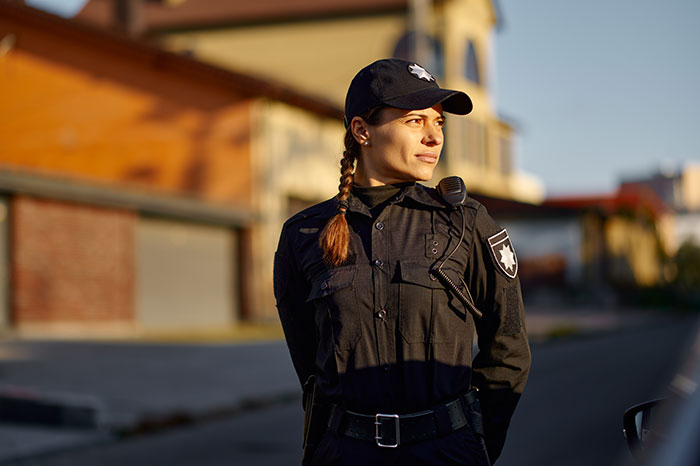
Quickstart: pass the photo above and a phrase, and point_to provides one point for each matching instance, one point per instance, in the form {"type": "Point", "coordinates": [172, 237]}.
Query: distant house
{"type": "Point", "coordinates": [680, 190]}
{"type": "Point", "coordinates": [141, 189]}
{"type": "Point", "coordinates": [317, 47]}
{"type": "Point", "coordinates": [588, 244]}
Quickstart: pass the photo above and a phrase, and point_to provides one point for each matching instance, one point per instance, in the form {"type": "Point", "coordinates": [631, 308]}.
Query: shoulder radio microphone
{"type": "Point", "coordinates": [454, 193]}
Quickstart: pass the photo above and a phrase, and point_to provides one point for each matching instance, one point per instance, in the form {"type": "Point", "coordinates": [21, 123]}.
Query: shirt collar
{"type": "Point", "coordinates": [415, 192]}
{"type": "Point", "coordinates": [422, 194]}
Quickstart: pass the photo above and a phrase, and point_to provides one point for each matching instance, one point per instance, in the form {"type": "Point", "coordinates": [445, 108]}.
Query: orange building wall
{"type": "Point", "coordinates": [107, 115]}
{"type": "Point", "coordinates": [71, 263]}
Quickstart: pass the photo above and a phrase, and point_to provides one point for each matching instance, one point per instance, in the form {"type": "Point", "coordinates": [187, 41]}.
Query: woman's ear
{"type": "Point", "coordinates": [360, 130]}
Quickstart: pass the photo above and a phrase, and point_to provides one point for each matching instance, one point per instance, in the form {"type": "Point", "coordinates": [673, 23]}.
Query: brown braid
{"type": "Point", "coordinates": [335, 237]}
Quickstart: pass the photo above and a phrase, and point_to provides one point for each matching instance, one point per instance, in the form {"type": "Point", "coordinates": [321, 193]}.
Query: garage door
{"type": "Point", "coordinates": [186, 275]}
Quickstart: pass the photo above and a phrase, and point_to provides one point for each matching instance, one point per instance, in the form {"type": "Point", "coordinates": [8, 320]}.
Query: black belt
{"type": "Point", "coordinates": [391, 430]}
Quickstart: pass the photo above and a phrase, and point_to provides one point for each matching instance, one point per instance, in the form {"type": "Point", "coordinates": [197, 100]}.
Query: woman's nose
{"type": "Point", "coordinates": [433, 136]}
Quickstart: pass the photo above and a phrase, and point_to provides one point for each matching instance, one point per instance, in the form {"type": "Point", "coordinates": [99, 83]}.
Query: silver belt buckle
{"type": "Point", "coordinates": [378, 425]}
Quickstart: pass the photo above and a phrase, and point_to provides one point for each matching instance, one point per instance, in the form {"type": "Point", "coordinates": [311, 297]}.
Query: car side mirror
{"type": "Point", "coordinates": [642, 427]}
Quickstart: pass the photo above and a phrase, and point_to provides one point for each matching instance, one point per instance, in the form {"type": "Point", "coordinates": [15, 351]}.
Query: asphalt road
{"type": "Point", "coordinates": [570, 414]}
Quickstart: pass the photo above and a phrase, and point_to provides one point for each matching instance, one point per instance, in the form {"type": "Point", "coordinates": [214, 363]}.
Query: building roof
{"type": "Point", "coordinates": [15, 16]}
{"type": "Point", "coordinates": [629, 197]}
{"type": "Point", "coordinates": [13, 181]}
{"type": "Point", "coordinates": [184, 14]}
{"type": "Point", "coordinates": [158, 14]}
{"type": "Point", "coordinates": [501, 208]}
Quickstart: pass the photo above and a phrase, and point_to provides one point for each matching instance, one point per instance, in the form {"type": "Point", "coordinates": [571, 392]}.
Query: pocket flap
{"type": "Point", "coordinates": [330, 281]}
{"type": "Point", "coordinates": [418, 273]}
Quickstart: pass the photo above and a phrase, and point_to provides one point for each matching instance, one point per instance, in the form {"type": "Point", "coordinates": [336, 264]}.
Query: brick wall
{"type": "Point", "coordinates": [71, 263]}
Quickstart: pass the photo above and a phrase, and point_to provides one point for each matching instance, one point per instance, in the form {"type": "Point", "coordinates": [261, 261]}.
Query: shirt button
{"type": "Point", "coordinates": [386, 367]}
{"type": "Point", "coordinates": [324, 285]}
{"type": "Point", "coordinates": [381, 314]}
{"type": "Point", "coordinates": [379, 226]}
{"type": "Point", "coordinates": [378, 262]}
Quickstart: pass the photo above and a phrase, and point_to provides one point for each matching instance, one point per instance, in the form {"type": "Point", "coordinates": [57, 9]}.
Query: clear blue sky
{"type": "Point", "coordinates": [597, 90]}
{"type": "Point", "coordinates": [600, 89]}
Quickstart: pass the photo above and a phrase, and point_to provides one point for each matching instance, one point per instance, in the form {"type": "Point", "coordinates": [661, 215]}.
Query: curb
{"type": "Point", "coordinates": [30, 407]}
{"type": "Point", "coordinates": [149, 423]}
{"type": "Point", "coordinates": [81, 422]}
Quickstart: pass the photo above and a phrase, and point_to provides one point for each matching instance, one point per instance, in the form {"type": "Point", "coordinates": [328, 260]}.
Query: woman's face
{"type": "Point", "coordinates": [404, 146]}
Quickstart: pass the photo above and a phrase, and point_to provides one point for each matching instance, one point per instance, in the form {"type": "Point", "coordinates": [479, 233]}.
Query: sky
{"type": "Point", "coordinates": [600, 90]}
{"type": "Point", "coordinates": [597, 91]}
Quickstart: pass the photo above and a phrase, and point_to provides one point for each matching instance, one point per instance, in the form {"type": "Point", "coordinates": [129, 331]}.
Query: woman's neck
{"type": "Point", "coordinates": [362, 180]}
{"type": "Point", "coordinates": [374, 196]}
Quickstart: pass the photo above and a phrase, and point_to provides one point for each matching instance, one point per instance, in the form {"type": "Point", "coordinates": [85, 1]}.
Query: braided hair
{"type": "Point", "coordinates": [335, 237]}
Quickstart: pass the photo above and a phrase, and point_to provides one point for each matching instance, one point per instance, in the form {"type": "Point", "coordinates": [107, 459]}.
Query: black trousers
{"type": "Point", "coordinates": [460, 447]}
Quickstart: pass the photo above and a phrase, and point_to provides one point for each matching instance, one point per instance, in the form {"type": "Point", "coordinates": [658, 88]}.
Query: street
{"type": "Point", "coordinates": [570, 415]}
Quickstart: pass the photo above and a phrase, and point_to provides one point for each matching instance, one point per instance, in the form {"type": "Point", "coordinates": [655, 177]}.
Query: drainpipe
{"type": "Point", "coordinates": [419, 10]}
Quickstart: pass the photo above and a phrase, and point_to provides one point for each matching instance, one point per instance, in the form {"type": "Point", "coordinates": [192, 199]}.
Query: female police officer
{"type": "Point", "coordinates": [381, 289]}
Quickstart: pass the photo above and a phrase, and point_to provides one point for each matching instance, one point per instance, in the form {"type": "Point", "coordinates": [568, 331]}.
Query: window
{"type": "Point", "coordinates": [405, 49]}
{"type": "Point", "coordinates": [471, 64]}
{"type": "Point", "coordinates": [474, 142]}
{"type": "Point", "coordinates": [505, 155]}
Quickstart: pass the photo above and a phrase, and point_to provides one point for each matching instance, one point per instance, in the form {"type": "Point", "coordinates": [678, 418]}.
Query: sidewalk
{"type": "Point", "coordinates": [134, 386]}
{"type": "Point", "coordinates": [138, 385]}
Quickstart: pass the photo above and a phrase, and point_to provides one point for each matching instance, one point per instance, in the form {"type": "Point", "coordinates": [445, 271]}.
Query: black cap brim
{"type": "Point", "coordinates": [456, 102]}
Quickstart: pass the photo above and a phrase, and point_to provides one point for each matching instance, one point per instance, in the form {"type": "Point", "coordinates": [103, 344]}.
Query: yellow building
{"type": "Point", "coordinates": [317, 47]}
{"type": "Point", "coordinates": [680, 191]}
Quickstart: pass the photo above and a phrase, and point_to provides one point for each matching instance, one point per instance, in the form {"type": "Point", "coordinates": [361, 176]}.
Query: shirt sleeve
{"type": "Point", "coordinates": [296, 315]}
{"type": "Point", "coordinates": [501, 367]}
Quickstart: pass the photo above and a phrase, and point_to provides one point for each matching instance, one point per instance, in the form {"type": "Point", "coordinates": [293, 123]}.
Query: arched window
{"type": "Point", "coordinates": [404, 49]}
{"type": "Point", "coordinates": [471, 64]}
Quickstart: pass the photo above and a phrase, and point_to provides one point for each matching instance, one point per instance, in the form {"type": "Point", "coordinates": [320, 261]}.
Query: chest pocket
{"type": "Point", "coordinates": [333, 293]}
{"type": "Point", "coordinates": [426, 306]}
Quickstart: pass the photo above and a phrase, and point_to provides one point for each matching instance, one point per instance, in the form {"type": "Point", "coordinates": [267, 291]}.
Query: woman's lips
{"type": "Point", "coordinates": [427, 158]}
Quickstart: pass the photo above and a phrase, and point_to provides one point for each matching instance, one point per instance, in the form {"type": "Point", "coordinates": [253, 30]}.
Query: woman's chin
{"type": "Point", "coordinates": [424, 175]}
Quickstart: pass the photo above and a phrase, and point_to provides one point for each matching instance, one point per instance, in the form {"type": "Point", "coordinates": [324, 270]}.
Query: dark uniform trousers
{"type": "Point", "coordinates": [382, 335]}
{"type": "Point", "coordinates": [458, 448]}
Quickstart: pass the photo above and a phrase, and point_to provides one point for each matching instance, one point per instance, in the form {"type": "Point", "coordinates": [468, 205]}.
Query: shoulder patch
{"type": "Point", "coordinates": [503, 253]}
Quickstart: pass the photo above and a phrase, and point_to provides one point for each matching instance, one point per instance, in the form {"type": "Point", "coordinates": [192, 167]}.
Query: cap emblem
{"type": "Point", "coordinates": [420, 72]}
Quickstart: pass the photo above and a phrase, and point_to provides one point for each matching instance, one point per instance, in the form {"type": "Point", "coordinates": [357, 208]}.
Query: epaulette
{"type": "Point", "coordinates": [471, 203]}
{"type": "Point", "coordinates": [326, 208]}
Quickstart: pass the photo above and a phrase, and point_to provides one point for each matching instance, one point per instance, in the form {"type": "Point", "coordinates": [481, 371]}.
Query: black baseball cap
{"type": "Point", "coordinates": [402, 84]}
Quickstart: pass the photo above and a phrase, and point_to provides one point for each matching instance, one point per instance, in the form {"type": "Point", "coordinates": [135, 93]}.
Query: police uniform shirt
{"type": "Point", "coordinates": [380, 332]}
